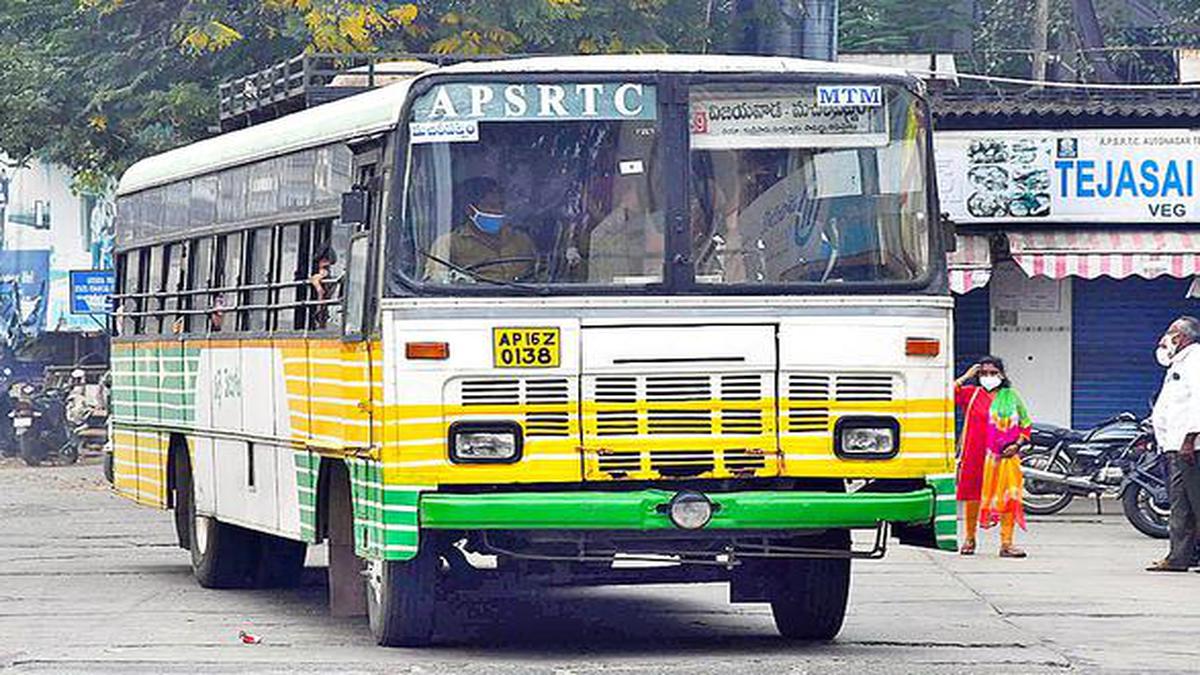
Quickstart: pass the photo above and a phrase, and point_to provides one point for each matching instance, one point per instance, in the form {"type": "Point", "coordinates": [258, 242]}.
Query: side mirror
{"type": "Point", "coordinates": [354, 207]}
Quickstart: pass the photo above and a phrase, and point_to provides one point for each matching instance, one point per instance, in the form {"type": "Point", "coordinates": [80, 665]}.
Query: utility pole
{"type": "Point", "coordinates": [803, 28]}
{"type": "Point", "coordinates": [1041, 39]}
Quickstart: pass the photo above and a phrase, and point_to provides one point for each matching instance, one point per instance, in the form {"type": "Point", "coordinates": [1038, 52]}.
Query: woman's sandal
{"type": "Point", "coordinates": [967, 548]}
{"type": "Point", "coordinates": [1012, 552]}
{"type": "Point", "coordinates": [1164, 566]}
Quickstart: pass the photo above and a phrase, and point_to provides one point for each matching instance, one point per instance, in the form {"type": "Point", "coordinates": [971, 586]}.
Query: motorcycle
{"type": "Point", "coordinates": [1144, 492]}
{"type": "Point", "coordinates": [8, 436]}
{"type": "Point", "coordinates": [1061, 464]}
{"type": "Point", "coordinates": [87, 413]}
{"type": "Point", "coordinates": [39, 420]}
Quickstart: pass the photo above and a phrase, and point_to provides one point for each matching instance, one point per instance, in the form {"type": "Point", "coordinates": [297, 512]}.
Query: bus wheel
{"type": "Point", "coordinates": [280, 562]}
{"type": "Point", "coordinates": [809, 600]}
{"type": "Point", "coordinates": [223, 555]}
{"type": "Point", "coordinates": [401, 597]}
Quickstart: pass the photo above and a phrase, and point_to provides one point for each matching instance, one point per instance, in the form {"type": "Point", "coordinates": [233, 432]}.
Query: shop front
{"type": "Point", "coordinates": [1075, 251]}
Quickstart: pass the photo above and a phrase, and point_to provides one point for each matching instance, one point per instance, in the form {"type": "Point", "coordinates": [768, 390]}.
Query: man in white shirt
{"type": "Point", "coordinates": [1176, 426]}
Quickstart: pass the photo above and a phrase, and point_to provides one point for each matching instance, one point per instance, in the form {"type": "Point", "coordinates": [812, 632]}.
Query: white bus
{"type": "Point", "coordinates": [539, 320]}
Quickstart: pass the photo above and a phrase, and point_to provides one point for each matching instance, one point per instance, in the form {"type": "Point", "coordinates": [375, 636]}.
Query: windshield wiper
{"type": "Point", "coordinates": [529, 288]}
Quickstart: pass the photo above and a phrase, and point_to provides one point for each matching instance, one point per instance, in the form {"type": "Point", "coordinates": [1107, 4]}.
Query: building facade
{"type": "Point", "coordinates": [1076, 242]}
{"type": "Point", "coordinates": [47, 230]}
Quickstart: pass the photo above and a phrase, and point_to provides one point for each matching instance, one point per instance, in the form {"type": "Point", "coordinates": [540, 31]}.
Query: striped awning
{"type": "Point", "coordinates": [1106, 253]}
{"type": "Point", "coordinates": [971, 263]}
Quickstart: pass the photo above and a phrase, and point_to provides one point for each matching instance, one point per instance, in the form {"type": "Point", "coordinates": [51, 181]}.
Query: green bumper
{"type": "Point", "coordinates": [640, 510]}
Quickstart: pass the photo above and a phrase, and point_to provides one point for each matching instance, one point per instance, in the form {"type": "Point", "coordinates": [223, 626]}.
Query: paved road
{"type": "Point", "coordinates": [89, 582]}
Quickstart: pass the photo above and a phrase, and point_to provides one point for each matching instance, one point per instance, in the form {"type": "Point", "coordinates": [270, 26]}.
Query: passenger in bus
{"type": "Point", "coordinates": [323, 285]}
{"type": "Point", "coordinates": [626, 246]}
{"type": "Point", "coordinates": [484, 244]}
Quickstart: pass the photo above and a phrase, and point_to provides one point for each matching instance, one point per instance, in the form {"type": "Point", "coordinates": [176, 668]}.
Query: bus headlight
{"type": "Point", "coordinates": [485, 442]}
{"type": "Point", "coordinates": [866, 438]}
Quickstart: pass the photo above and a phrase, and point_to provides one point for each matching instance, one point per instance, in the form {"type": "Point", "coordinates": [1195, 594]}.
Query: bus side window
{"type": "Point", "coordinates": [141, 286]}
{"type": "Point", "coordinates": [155, 285]}
{"type": "Point", "coordinates": [288, 275]}
{"type": "Point", "coordinates": [199, 270]}
{"type": "Point", "coordinates": [325, 275]}
{"type": "Point", "coordinates": [226, 274]}
{"type": "Point", "coordinates": [127, 272]}
{"type": "Point", "coordinates": [255, 278]}
{"type": "Point", "coordinates": [174, 258]}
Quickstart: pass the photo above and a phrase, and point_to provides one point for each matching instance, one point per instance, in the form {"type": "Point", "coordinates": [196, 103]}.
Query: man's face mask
{"type": "Point", "coordinates": [1165, 353]}
{"type": "Point", "coordinates": [488, 222]}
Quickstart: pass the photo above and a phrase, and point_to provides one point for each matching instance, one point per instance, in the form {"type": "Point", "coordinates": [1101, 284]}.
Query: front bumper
{"type": "Point", "coordinates": [640, 510]}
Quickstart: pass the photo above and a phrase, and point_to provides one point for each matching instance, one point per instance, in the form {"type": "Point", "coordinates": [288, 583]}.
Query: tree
{"type": "Point", "coordinates": [97, 84]}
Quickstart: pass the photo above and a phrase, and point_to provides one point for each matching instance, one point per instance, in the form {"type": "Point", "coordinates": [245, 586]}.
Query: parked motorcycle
{"type": "Point", "coordinates": [8, 437]}
{"type": "Point", "coordinates": [87, 413]}
{"type": "Point", "coordinates": [39, 421]}
{"type": "Point", "coordinates": [1060, 464]}
{"type": "Point", "coordinates": [1144, 496]}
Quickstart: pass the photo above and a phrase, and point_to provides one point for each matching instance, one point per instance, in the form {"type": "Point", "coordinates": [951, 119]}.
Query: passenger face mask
{"type": "Point", "coordinates": [488, 222]}
{"type": "Point", "coordinates": [990, 382]}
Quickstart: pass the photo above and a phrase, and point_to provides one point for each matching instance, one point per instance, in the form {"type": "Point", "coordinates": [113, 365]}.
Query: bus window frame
{"type": "Point", "coordinates": [672, 97]}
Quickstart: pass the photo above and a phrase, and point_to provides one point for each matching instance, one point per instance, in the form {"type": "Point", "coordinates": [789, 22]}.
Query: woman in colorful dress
{"type": "Point", "coordinates": [995, 426]}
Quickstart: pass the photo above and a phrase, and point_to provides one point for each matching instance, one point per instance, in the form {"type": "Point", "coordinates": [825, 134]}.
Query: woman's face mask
{"type": "Point", "coordinates": [990, 382]}
{"type": "Point", "coordinates": [488, 222]}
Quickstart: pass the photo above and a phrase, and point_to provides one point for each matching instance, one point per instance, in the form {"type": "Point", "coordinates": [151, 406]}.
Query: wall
{"type": "Point", "coordinates": [43, 215]}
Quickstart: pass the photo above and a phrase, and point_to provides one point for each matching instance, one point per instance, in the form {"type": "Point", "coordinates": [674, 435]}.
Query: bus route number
{"type": "Point", "coordinates": [526, 347]}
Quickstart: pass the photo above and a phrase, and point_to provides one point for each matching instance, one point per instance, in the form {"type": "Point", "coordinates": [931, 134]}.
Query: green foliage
{"type": "Point", "coordinates": [898, 25]}
{"type": "Point", "coordinates": [95, 85]}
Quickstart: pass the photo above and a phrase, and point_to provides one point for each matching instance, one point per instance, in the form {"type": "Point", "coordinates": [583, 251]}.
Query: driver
{"type": "Point", "coordinates": [484, 244]}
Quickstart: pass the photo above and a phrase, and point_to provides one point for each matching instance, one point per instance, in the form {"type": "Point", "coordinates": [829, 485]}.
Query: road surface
{"type": "Point", "coordinates": [90, 582]}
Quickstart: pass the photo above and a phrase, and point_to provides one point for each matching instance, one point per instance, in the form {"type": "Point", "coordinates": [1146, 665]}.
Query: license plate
{"type": "Point", "coordinates": [22, 422]}
{"type": "Point", "coordinates": [526, 347]}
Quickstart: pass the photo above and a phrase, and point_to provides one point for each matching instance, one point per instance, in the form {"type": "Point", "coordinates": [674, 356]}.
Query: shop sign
{"type": "Point", "coordinates": [825, 117]}
{"type": "Point", "coordinates": [1084, 176]}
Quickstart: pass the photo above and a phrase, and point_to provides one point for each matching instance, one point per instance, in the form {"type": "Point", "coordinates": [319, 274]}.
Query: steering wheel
{"type": "Point", "coordinates": [530, 260]}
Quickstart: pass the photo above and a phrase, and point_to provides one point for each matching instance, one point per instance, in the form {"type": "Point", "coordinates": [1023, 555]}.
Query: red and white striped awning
{"type": "Point", "coordinates": [970, 263]}
{"type": "Point", "coordinates": [1106, 253]}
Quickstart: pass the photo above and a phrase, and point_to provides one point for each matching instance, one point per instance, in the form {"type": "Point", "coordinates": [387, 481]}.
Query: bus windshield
{"type": "Point", "coordinates": [804, 183]}
{"type": "Point", "coordinates": [516, 184]}
{"type": "Point", "coordinates": [532, 185]}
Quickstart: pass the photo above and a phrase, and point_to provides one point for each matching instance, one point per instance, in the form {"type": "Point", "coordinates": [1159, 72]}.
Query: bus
{"type": "Point", "coordinates": [550, 320]}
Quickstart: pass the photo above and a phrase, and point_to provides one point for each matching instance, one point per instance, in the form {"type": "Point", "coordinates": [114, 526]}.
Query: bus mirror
{"type": "Point", "coordinates": [950, 232]}
{"type": "Point", "coordinates": [354, 207]}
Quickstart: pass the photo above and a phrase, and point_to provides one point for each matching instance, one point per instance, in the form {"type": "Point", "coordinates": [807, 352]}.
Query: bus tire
{"type": "Point", "coordinates": [809, 602]}
{"type": "Point", "coordinates": [280, 562]}
{"type": "Point", "coordinates": [401, 599]}
{"type": "Point", "coordinates": [223, 555]}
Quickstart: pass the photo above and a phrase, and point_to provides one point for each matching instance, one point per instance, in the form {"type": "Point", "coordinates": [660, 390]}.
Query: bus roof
{"type": "Point", "coordinates": [379, 110]}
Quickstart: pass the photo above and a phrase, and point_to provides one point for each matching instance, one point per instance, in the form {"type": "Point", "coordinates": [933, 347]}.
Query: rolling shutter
{"type": "Point", "coordinates": [972, 328]}
{"type": "Point", "coordinates": [1116, 325]}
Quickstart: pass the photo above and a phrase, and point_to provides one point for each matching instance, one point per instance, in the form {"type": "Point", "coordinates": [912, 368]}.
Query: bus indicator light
{"type": "Point", "coordinates": [922, 347]}
{"type": "Point", "coordinates": [435, 351]}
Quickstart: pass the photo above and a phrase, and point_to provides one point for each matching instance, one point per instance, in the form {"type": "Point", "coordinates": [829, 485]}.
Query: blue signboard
{"type": "Point", "coordinates": [91, 291]}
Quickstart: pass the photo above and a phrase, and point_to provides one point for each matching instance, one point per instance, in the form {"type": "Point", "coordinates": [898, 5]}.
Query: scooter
{"type": "Point", "coordinates": [1061, 464]}
{"type": "Point", "coordinates": [39, 420]}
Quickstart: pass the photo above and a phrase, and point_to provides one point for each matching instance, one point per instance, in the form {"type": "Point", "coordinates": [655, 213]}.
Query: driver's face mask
{"type": "Point", "coordinates": [487, 222]}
